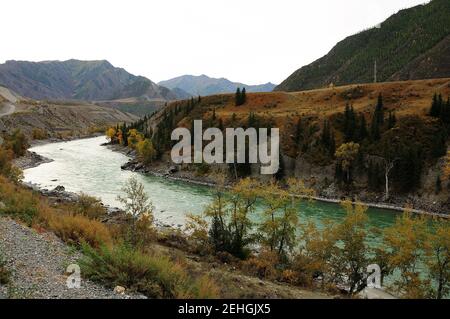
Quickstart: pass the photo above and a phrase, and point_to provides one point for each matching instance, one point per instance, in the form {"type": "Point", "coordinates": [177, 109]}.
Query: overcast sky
{"type": "Point", "coordinates": [243, 40]}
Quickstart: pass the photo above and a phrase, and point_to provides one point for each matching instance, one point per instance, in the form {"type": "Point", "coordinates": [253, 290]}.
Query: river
{"type": "Point", "coordinates": [86, 166]}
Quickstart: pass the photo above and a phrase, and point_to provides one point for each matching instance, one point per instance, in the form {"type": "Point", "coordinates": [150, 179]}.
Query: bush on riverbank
{"type": "Point", "coordinates": [17, 202]}
{"type": "Point", "coordinates": [153, 275]}
{"type": "Point", "coordinates": [75, 229]}
{"type": "Point", "coordinates": [89, 206]}
{"type": "Point", "coordinates": [6, 168]}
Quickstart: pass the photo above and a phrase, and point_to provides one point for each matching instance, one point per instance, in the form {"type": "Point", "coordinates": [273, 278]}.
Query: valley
{"type": "Point", "coordinates": [332, 184]}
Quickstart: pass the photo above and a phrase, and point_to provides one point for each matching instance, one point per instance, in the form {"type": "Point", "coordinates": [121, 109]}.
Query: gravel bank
{"type": "Point", "coordinates": [38, 263]}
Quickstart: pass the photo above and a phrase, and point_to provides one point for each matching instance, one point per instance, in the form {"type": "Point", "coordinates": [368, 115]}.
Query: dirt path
{"type": "Point", "coordinates": [7, 108]}
{"type": "Point", "coordinates": [38, 263]}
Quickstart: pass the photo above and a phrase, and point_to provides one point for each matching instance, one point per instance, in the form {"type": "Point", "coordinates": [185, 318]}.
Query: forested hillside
{"type": "Point", "coordinates": [412, 44]}
{"type": "Point", "coordinates": [342, 140]}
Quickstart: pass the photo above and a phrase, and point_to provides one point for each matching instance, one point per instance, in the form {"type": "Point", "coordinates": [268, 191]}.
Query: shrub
{"type": "Point", "coordinates": [17, 142]}
{"type": "Point", "coordinates": [262, 266]}
{"type": "Point", "coordinates": [75, 229]}
{"type": "Point", "coordinates": [5, 273]}
{"type": "Point", "coordinates": [39, 134]}
{"type": "Point", "coordinates": [153, 275]}
{"type": "Point", "coordinates": [6, 167]}
{"type": "Point", "coordinates": [197, 229]}
{"type": "Point", "coordinates": [89, 206]}
{"type": "Point", "coordinates": [17, 202]}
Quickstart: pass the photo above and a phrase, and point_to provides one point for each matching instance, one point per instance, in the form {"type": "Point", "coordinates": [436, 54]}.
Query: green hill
{"type": "Point", "coordinates": [412, 44]}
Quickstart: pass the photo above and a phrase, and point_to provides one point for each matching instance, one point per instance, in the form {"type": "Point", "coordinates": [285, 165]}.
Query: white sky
{"type": "Point", "coordinates": [251, 41]}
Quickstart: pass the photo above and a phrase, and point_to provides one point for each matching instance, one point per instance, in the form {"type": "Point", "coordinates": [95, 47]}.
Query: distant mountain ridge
{"type": "Point", "coordinates": [78, 80]}
{"type": "Point", "coordinates": [411, 44]}
{"type": "Point", "coordinates": [205, 85]}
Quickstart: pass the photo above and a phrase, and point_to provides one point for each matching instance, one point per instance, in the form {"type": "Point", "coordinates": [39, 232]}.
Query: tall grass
{"type": "Point", "coordinates": [17, 202]}
{"type": "Point", "coordinates": [156, 276]}
{"type": "Point", "coordinates": [73, 228]}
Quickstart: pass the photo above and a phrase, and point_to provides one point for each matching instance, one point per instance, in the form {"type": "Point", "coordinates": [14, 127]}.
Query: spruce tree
{"type": "Point", "coordinates": [349, 123]}
{"type": "Point", "coordinates": [379, 110]}
{"type": "Point", "coordinates": [392, 120]}
{"type": "Point", "coordinates": [243, 96]}
{"type": "Point", "coordinates": [362, 134]}
{"type": "Point", "coordinates": [237, 97]}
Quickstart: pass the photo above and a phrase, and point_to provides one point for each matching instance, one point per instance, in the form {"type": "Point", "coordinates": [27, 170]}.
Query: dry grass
{"type": "Point", "coordinates": [405, 97]}
{"type": "Point", "coordinates": [73, 228]}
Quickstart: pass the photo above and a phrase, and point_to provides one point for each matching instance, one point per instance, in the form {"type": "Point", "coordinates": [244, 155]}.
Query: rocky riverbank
{"type": "Point", "coordinates": [173, 172]}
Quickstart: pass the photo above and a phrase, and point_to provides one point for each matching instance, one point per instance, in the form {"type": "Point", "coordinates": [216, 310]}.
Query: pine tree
{"type": "Point", "coordinates": [377, 119]}
{"type": "Point", "coordinates": [445, 112]}
{"type": "Point", "coordinates": [243, 96]}
{"type": "Point", "coordinates": [327, 138]}
{"type": "Point", "coordinates": [362, 134]}
{"type": "Point", "coordinates": [237, 97]}
{"type": "Point", "coordinates": [438, 184]}
{"type": "Point", "coordinates": [392, 120]}
{"type": "Point", "coordinates": [435, 107]}
{"type": "Point", "coordinates": [380, 110]}
{"type": "Point", "coordinates": [349, 123]}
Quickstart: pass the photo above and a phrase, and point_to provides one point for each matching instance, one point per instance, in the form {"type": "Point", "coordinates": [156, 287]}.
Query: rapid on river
{"type": "Point", "coordinates": [86, 166]}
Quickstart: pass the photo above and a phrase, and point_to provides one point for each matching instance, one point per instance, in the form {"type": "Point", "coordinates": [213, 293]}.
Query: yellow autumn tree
{"type": "Point", "coordinates": [318, 246]}
{"type": "Point", "coordinates": [437, 250]}
{"type": "Point", "coordinates": [134, 137]}
{"type": "Point", "coordinates": [111, 134]}
{"type": "Point", "coordinates": [351, 260]}
{"type": "Point", "coordinates": [405, 241]}
{"type": "Point", "coordinates": [346, 154]}
{"type": "Point", "coordinates": [146, 151]}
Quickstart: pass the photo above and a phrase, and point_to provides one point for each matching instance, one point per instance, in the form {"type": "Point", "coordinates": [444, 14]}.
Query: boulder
{"type": "Point", "coordinates": [59, 189]}
{"type": "Point", "coordinates": [172, 169]}
{"type": "Point", "coordinates": [119, 290]}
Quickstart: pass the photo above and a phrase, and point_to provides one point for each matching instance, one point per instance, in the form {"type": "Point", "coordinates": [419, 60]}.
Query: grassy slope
{"type": "Point", "coordinates": [404, 97]}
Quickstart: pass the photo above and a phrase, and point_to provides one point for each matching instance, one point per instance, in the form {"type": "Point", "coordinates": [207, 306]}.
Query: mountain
{"type": "Point", "coordinates": [412, 44]}
{"type": "Point", "coordinates": [204, 85]}
{"type": "Point", "coordinates": [78, 80]}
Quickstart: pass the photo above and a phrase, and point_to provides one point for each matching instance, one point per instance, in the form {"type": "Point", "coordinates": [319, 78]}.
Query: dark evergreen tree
{"type": "Point", "coordinates": [243, 96]}
{"type": "Point", "coordinates": [379, 110]}
{"type": "Point", "coordinates": [438, 184]}
{"type": "Point", "coordinates": [362, 134]}
{"type": "Point", "coordinates": [435, 109]}
{"type": "Point", "coordinates": [237, 97]}
{"type": "Point", "coordinates": [391, 120]}
{"type": "Point", "coordinates": [349, 124]}
{"type": "Point", "coordinates": [439, 146]}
